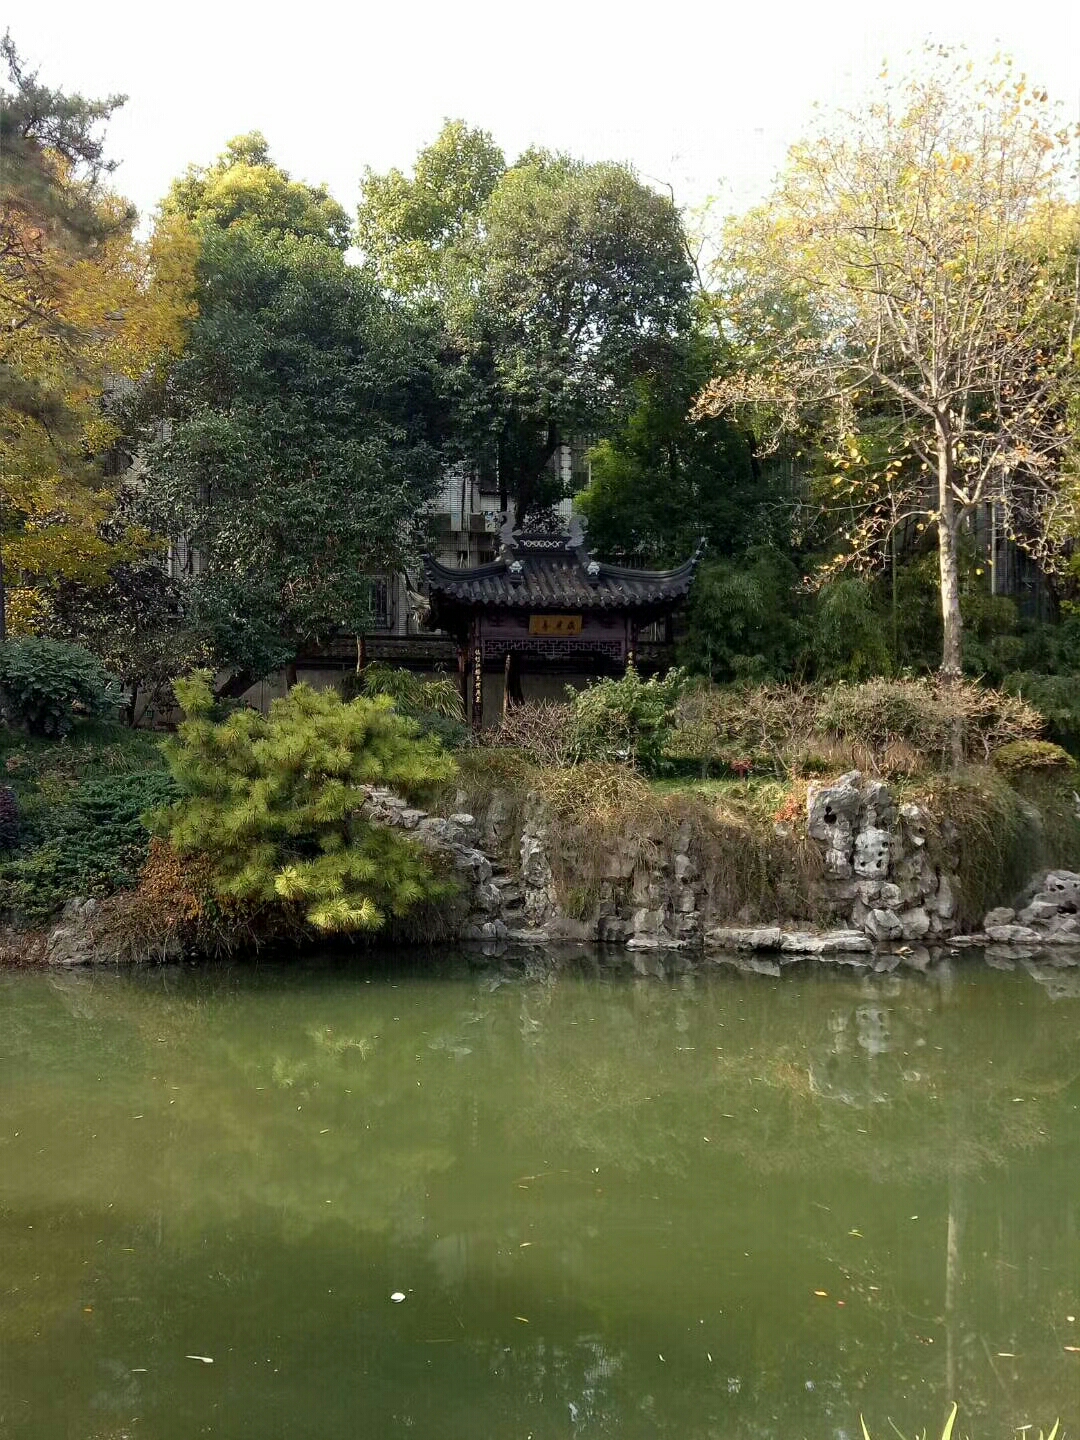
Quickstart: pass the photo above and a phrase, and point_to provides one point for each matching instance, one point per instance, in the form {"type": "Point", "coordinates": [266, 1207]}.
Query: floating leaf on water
{"type": "Point", "coordinates": [822, 1293]}
{"type": "Point", "coordinates": [522, 1318]}
{"type": "Point", "coordinates": [206, 1359]}
{"type": "Point", "coordinates": [398, 1296]}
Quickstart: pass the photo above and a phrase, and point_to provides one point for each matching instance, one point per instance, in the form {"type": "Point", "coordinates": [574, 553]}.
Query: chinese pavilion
{"type": "Point", "coordinates": [546, 604]}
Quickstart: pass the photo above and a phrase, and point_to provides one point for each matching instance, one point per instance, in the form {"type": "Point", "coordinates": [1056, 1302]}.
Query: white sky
{"type": "Point", "coordinates": [705, 96]}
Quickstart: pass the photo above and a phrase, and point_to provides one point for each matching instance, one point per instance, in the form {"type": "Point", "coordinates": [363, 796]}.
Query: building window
{"type": "Point", "coordinates": [379, 603]}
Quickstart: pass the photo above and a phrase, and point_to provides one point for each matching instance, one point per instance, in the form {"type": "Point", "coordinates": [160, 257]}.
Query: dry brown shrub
{"type": "Point", "coordinates": [722, 728]}
{"type": "Point", "coordinates": [542, 731]}
{"type": "Point", "coordinates": [923, 716]}
{"type": "Point", "coordinates": [888, 727]}
{"type": "Point", "coordinates": [175, 907]}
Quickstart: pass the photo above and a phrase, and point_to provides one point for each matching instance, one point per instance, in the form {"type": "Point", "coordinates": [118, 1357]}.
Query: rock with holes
{"type": "Point", "coordinates": [832, 810]}
{"type": "Point", "coordinates": [1065, 886]}
{"type": "Point", "coordinates": [873, 851]}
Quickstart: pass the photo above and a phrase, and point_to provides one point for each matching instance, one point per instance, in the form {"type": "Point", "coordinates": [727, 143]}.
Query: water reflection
{"type": "Point", "coordinates": [721, 1204]}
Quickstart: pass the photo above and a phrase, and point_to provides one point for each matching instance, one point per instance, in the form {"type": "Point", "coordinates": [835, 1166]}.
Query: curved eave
{"type": "Point", "coordinates": [615, 587]}
{"type": "Point", "coordinates": [677, 581]}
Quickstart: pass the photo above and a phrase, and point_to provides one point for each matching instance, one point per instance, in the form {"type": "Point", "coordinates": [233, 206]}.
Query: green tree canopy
{"type": "Point", "coordinates": [560, 284]}
{"type": "Point", "coordinates": [663, 481]}
{"type": "Point", "coordinates": [245, 187]}
{"type": "Point", "coordinates": [302, 441]}
{"type": "Point", "coordinates": [408, 226]}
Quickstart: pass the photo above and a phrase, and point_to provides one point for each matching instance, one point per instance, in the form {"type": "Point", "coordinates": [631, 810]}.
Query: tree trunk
{"type": "Point", "coordinates": [952, 659]}
{"type": "Point", "coordinates": [3, 599]}
{"type": "Point", "coordinates": [952, 625]}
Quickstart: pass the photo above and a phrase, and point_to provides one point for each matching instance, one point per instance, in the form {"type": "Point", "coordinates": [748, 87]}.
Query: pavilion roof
{"type": "Point", "coordinates": [549, 570]}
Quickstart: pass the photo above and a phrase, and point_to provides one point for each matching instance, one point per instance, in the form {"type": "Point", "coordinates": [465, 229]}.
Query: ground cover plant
{"type": "Point", "coordinates": [71, 813]}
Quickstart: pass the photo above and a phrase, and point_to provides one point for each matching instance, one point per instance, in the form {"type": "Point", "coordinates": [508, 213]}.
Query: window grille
{"type": "Point", "coordinates": [379, 602]}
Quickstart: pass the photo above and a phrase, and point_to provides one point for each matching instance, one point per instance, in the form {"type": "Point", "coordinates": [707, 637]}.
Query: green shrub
{"type": "Point", "coordinates": [847, 641]}
{"type": "Point", "coordinates": [93, 843]}
{"type": "Point", "coordinates": [435, 704]}
{"type": "Point", "coordinates": [273, 802]}
{"type": "Point", "coordinates": [628, 719]}
{"type": "Point", "coordinates": [45, 685]}
{"type": "Point", "coordinates": [735, 730]}
{"type": "Point", "coordinates": [412, 694]}
{"type": "Point", "coordinates": [1057, 699]}
{"type": "Point", "coordinates": [1031, 755]}
{"type": "Point", "coordinates": [9, 819]}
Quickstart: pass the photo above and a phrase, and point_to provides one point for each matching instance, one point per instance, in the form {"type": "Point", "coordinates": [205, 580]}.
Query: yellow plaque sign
{"type": "Point", "coordinates": [554, 624]}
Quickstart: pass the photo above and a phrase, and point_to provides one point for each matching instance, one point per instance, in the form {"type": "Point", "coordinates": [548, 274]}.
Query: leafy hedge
{"type": "Point", "coordinates": [46, 685]}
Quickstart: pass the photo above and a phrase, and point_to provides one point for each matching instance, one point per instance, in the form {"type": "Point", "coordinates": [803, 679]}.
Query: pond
{"type": "Point", "coordinates": [717, 1204]}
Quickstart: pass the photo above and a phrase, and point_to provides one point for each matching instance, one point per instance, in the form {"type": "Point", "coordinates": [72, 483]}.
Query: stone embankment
{"type": "Point", "coordinates": [878, 890]}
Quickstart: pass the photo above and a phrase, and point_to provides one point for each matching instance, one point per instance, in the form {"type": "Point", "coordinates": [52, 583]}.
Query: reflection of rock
{"type": "Point", "coordinates": [1059, 976]}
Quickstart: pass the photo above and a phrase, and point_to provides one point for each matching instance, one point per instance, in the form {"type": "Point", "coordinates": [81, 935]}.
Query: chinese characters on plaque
{"type": "Point", "coordinates": [554, 624]}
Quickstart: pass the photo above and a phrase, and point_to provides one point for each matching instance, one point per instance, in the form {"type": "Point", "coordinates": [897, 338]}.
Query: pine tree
{"type": "Point", "coordinates": [274, 801]}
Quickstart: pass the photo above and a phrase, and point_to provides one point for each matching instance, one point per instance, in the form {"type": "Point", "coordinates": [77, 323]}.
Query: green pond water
{"type": "Point", "coordinates": [721, 1204]}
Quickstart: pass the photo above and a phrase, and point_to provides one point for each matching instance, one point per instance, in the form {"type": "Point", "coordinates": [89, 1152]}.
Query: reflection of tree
{"type": "Point", "coordinates": [635, 1168]}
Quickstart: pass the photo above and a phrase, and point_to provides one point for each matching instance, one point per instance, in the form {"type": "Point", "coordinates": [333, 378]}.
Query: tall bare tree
{"type": "Point", "coordinates": [914, 278]}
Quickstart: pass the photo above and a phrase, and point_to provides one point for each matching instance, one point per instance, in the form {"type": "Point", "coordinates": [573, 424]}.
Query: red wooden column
{"type": "Point", "coordinates": [478, 674]}
{"type": "Point", "coordinates": [463, 675]}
